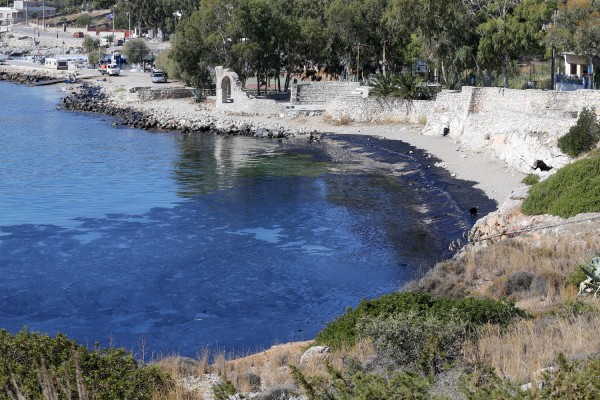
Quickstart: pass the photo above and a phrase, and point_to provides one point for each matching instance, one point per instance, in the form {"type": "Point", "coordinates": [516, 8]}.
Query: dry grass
{"type": "Point", "coordinates": [339, 121]}
{"type": "Point", "coordinates": [422, 120]}
{"type": "Point", "coordinates": [390, 121]}
{"type": "Point", "coordinates": [494, 271]}
{"type": "Point", "coordinates": [531, 345]}
{"type": "Point", "coordinates": [257, 372]}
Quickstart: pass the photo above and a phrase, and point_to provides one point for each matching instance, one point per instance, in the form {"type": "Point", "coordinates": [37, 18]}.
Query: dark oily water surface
{"type": "Point", "coordinates": [122, 236]}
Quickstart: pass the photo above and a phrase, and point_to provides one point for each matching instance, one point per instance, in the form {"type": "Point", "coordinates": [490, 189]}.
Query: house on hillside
{"type": "Point", "coordinates": [23, 10]}
{"type": "Point", "coordinates": [578, 73]}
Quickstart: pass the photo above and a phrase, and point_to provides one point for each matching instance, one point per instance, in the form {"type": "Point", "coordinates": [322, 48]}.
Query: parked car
{"type": "Point", "coordinates": [159, 77]}
{"type": "Point", "coordinates": [78, 34]}
{"type": "Point", "coordinates": [110, 69]}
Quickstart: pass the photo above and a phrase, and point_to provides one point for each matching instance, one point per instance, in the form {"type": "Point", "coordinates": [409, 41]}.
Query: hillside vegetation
{"type": "Point", "coordinates": [36, 366]}
{"type": "Point", "coordinates": [574, 189]}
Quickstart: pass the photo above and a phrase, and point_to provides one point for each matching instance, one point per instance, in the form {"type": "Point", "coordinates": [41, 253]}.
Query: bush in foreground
{"type": "Point", "coordinates": [574, 189]}
{"type": "Point", "coordinates": [573, 380]}
{"type": "Point", "coordinates": [474, 312]}
{"type": "Point", "coordinates": [36, 366]}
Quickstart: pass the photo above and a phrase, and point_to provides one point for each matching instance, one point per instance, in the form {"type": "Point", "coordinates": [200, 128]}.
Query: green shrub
{"type": "Point", "coordinates": [573, 380]}
{"type": "Point", "coordinates": [224, 389]}
{"type": "Point", "coordinates": [346, 385]}
{"type": "Point", "coordinates": [572, 309]}
{"type": "Point", "coordinates": [583, 136]}
{"type": "Point", "coordinates": [414, 342]}
{"type": "Point", "coordinates": [576, 277]}
{"type": "Point", "coordinates": [475, 312]}
{"type": "Point", "coordinates": [30, 361]}
{"type": "Point", "coordinates": [531, 179]}
{"type": "Point", "coordinates": [574, 189]}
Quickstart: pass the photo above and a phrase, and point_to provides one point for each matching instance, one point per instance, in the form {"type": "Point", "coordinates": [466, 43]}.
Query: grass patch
{"type": "Point", "coordinates": [531, 179]}
{"type": "Point", "coordinates": [574, 189]}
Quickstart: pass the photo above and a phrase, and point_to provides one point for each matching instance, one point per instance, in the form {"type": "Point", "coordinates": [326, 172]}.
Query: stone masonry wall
{"type": "Point", "coordinates": [521, 127]}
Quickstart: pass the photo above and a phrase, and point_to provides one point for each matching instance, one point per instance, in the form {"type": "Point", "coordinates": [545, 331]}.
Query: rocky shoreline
{"type": "Point", "coordinates": [91, 98]}
{"type": "Point", "coordinates": [30, 76]}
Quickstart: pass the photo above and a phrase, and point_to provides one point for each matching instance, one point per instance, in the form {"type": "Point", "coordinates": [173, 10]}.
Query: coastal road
{"type": "Point", "coordinates": [47, 35]}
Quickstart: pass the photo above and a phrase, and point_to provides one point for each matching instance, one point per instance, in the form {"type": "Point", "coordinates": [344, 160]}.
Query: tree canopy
{"type": "Point", "coordinates": [266, 37]}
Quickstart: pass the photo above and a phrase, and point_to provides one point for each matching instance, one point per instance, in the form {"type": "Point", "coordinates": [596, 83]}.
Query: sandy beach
{"type": "Point", "coordinates": [492, 175]}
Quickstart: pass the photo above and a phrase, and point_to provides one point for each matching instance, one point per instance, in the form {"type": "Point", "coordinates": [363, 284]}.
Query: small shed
{"type": "Point", "coordinates": [575, 65]}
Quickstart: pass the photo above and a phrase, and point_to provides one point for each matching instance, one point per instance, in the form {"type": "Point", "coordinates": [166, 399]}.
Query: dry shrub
{"type": "Point", "coordinates": [498, 270]}
{"type": "Point", "coordinates": [390, 121]}
{"type": "Point", "coordinates": [343, 120]}
{"type": "Point", "coordinates": [270, 369]}
{"type": "Point", "coordinates": [531, 345]}
{"type": "Point", "coordinates": [338, 121]}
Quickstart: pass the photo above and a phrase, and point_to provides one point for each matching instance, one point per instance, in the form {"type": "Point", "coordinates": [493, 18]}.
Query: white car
{"type": "Point", "coordinates": [113, 70]}
{"type": "Point", "coordinates": [159, 77]}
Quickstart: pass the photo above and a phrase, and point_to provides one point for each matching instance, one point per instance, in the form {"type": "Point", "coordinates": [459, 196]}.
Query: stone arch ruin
{"type": "Point", "coordinates": [229, 87]}
{"type": "Point", "coordinates": [226, 90]}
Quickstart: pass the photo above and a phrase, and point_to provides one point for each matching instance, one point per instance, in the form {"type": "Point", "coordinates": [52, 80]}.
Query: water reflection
{"type": "Point", "coordinates": [208, 162]}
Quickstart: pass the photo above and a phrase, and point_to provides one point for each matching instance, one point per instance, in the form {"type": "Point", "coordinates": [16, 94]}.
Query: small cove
{"type": "Point", "coordinates": [117, 235]}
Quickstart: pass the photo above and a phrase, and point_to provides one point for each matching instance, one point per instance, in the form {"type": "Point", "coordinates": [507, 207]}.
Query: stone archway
{"type": "Point", "coordinates": [226, 90]}
{"type": "Point", "coordinates": [229, 88]}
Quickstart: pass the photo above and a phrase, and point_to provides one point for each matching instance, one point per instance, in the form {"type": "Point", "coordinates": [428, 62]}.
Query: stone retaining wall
{"type": "Point", "coordinates": [149, 93]}
{"type": "Point", "coordinates": [521, 127]}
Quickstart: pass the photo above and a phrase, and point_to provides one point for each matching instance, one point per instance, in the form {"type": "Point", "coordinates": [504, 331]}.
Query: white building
{"type": "Point", "coordinates": [23, 10]}
{"type": "Point", "coordinates": [575, 65]}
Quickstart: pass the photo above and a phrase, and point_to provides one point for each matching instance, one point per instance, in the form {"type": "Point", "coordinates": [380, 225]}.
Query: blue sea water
{"type": "Point", "coordinates": [122, 236]}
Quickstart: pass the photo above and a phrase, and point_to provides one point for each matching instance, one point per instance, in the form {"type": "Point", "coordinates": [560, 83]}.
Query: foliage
{"type": "Point", "coordinates": [404, 86]}
{"type": "Point", "coordinates": [90, 44]}
{"type": "Point", "coordinates": [93, 57]}
{"type": "Point", "coordinates": [384, 86]}
{"type": "Point", "coordinates": [223, 389]}
{"type": "Point", "coordinates": [531, 179]}
{"type": "Point", "coordinates": [421, 343]}
{"type": "Point", "coordinates": [135, 51]}
{"type": "Point", "coordinates": [572, 309]}
{"type": "Point", "coordinates": [83, 20]}
{"type": "Point", "coordinates": [474, 312]}
{"type": "Point", "coordinates": [576, 277]}
{"type": "Point", "coordinates": [573, 380]}
{"type": "Point", "coordinates": [262, 38]}
{"type": "Point", "coordinates": [165, 63]}
{"type": "Point", "coordinates": [574, 189]}
{"type": "Point", "coordinates": [484, 384]}
{"type": "Point", "coordinates": [32, 363]}
{"type": "Point", "coordinates": [348, 384]}
{"type": "Point", "coordinates": [583, 136]}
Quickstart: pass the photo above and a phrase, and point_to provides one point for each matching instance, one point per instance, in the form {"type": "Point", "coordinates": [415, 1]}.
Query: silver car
{"type": "Point", "coordinates": [159, 77]}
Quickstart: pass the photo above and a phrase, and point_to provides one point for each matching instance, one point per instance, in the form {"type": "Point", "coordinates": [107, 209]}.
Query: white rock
{"type": "Point", "coordinates": [316, 352]}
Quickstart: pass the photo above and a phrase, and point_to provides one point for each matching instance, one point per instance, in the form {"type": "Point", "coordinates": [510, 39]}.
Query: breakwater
{"type": "Point", "coordinates": [28, 75]}
{"type": "Point", "coordinates": [91, 98]}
